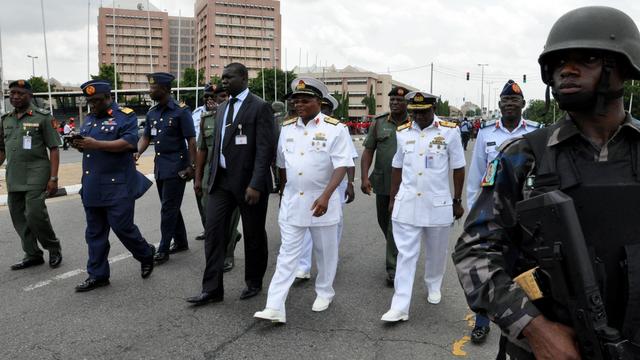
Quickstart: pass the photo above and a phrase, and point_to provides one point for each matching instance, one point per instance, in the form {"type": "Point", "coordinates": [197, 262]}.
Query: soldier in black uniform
{"type": "Point", "coordinates": [592, 156]}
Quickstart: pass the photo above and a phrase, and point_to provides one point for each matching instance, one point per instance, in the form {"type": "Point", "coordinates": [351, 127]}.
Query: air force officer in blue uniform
{"type": "Point", "coordinates": [170, 125]}
{"type": "Point", "coordinates": [110, 183]}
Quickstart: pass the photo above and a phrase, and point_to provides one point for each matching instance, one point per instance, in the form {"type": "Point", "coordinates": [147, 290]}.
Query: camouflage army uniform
{"type": "Point", "coordinates": [490, 252]}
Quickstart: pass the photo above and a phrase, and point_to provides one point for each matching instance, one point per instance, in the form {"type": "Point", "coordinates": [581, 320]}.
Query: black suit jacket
{"type": "Point", "coordinates": [247, 165]}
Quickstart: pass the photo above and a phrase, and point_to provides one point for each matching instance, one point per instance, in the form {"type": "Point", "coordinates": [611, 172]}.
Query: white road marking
{"type": "Point", "coordinates": [72, 273]}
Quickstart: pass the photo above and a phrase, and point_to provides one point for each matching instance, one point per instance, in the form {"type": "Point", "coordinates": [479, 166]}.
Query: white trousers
{"type": "Point", "coordinates": [436, 244]}
{"type": "Point", "coordinates": [304, 264]}
{"type": "Point", "coordinates": [325, 249]}
{"type": "Point", "coordinates": [305, 259]}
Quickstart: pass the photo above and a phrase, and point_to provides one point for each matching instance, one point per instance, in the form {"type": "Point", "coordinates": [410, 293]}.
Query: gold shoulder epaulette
{"type": "Point", "coordinates": [404, 126]}
{"type": "Point", "coordinates": [289, 122]}
{"type": "Point", "coordinates": [331, 120]}
{"type": "Point", "coordinates": [126, 110]}
{"type": "Point", "coordinates": [448, 124]}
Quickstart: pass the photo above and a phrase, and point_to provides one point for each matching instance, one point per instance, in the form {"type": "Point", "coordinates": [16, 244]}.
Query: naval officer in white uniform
{"type": "Point", "coordinates": [423, 209]}
{"type": "Point", "coordinates": [313, 156]}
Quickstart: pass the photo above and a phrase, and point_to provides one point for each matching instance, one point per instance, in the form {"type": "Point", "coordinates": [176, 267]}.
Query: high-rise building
{"type": "Point", "coordinates": [182, 44]}
{"type": "Point", "coordinates": [356, 82]}
{"type": "Point", "coordinates": [245, 31]}
{"type": "Point", "coordinates": [141, 39]}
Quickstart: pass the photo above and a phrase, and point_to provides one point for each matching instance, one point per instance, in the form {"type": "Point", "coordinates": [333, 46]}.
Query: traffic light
{"type": "Point", "coordinates": [524, 78]}
{"type": "Point", "coordinates": [467, 76]}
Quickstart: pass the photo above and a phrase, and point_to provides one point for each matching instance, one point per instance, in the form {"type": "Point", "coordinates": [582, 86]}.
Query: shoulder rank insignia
{"type": "Point", "coordinates": [404, 126]}
{"type": "Point", "coordinates": [289, 122]}
{"type": "Point", "coordinates": [331, 120]}
{"type": "Point", "coordinates": [532, 123]}
{"type": "Point", "coordinates": [126, 110]}
{"type": "Point", "coordinates": [489, 178]}
{"type": "Point", "coordinates": [42, 111]}
{"type": "Point", "coordinates": [448, 124]}
{"type": "Point", "coordinates": [488, 124]}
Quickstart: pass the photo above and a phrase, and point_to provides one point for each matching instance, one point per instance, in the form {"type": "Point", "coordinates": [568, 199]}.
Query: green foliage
{"type": "Point", "coordinates": [255, 84]}
{"type": "Point", "coordinates": [442, 107]}
{"type": "Point", "coordinates": [215, 79]}
{"type": "Point", "coordinates": [535, 111]}
{"type": "Point", "coordinates": [470, 113]}
{"type": "Point", "coordinates": [39, 84]}
{"type": "Point", "coordinates": [635, 90]}
{"type": "Point", "coordinates": [106, 73]}
{"type": "Point", "coordinates": [342, 112]}
{"type": "Point", "coordinates": [370, 102]}
{"type": "Point", "coordinates": [478, 112]}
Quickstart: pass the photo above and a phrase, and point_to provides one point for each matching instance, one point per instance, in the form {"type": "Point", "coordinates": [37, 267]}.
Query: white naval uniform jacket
{"type": "Point", "coordinates": [310, 154]}
{"type": "Point", "coordinates": [486, 149]}
{"type": "Point", "coordinates": [426, 158]}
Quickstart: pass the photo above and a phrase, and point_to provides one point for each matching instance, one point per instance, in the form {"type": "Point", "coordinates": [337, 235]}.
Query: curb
{"type": "Point", "coordinates": [64, 191]}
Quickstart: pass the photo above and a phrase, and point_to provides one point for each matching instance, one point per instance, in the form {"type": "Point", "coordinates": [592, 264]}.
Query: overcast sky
{"type": "Point", "coordinates": [402, 37]}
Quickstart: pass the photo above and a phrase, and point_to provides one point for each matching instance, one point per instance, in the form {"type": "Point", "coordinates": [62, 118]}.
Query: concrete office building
{"type": "Point", "coordinates": [357, 82]}
{"type": "Point", "coordinates": [245, 31]}
{"type": "Point", "coordinates": [131, 21]}
{"type": "Point", "coordinates": [182, 41]}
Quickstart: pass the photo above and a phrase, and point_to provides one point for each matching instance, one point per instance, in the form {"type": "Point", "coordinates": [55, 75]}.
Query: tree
{"type": "Point", "coordinates": [106, 73]}
{"type": "Point", "coordinates": [342, 112]}
{"type": "Point", "coordinates": [39, 84]}
{"type": "Point", "coordinates": [470, 113]}
{"type": "Point", "coordinates": [635, 90]}
{"type": "Point", "coordinates": [535, 111]}
{"type": "Point", "coordinates": [442, 108]}
{"type": "Point", "coordinates": [370, 102]}
{"type": "Point", "coordinates": [478, 112]}
{"type": "Point", "coordinates": [255, 84]}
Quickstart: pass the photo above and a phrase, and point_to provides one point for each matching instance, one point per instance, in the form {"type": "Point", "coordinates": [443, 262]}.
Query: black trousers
{"type": "Point", "coordinates": [220, 206]}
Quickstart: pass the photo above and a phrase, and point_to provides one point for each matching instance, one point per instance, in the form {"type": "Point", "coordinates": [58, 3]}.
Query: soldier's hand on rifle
{"type": "Point", "coordinates": [551, 340]}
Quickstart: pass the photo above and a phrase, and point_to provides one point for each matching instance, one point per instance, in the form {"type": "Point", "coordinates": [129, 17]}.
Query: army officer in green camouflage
{"type": "Point", "coordinates": [32, 174]}
{"type": "Point", "coordinates": [381, 140]}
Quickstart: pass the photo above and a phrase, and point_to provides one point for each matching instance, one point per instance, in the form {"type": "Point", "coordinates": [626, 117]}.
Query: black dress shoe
{"type": "Point", "coordinates": [250, 292]}
{"type": "Point", "coordinates": [176, 249]}
{"type": "Point", "coordinates": [200, 237]}
{"type": "Point", "coordinates": [390, 279]}
{"type": "Point", "coordinates": [479, 334]}
{"type": "Point", "coordinates": [91, 284]}
{"type": "Point", "coordinates": [55, 259]}
{"type": "Point", "coordinates": [205, 298]}
{"type": "Point", "coordinates": [228, 264]}
{"type": "Point", "coordinates": [161, 257]}
{"type": "Point", "coordinates": [27, 263]}
{"type": "Point", "coordinates": [146, 267]}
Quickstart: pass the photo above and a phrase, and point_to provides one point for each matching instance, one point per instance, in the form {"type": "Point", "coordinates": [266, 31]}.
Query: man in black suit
{"type": "Point", "coordinates": [240, 176]}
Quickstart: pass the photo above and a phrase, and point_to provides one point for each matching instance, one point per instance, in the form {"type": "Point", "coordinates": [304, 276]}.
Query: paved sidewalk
{"type": "Point", "coordinates": [70, 175]}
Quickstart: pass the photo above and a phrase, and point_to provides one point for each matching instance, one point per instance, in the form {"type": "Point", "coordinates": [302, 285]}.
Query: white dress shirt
{"type": "Point", "coordinates": [236, 107]}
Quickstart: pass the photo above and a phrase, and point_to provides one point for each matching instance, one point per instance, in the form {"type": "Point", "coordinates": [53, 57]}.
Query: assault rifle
{"type": "Point", "coordinates": [565, 274]}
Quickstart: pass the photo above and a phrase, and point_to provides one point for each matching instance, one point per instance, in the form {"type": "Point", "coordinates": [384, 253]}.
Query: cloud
{"type": "Point", "coordinates": [377, 35]}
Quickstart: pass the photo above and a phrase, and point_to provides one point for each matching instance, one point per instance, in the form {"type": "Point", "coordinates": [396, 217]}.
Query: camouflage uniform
{"type": "Point", "coordinates": [490, 252]}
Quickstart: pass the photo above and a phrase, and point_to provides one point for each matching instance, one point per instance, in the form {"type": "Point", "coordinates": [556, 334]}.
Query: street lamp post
{"type": "Point", "coordinates": [33, 65]}
{"type": "Point", "coordinates": [482, 88]}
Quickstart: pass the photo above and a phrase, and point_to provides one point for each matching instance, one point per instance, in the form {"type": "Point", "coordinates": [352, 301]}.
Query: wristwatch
{"type": "Point", "coordinates": [193, 166]}
{"type": "Point", "coordinates": [457, 201]}
{"type": "Point", "coordinates": [53, 178]}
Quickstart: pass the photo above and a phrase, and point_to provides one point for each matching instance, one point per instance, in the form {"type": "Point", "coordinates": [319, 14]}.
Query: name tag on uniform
{"type": "Point", "coordinates": [26, 142]}
{"type": "Point", "coordinates": [154, 131]}
{"type": "Point", "coordinates": [241, 139]}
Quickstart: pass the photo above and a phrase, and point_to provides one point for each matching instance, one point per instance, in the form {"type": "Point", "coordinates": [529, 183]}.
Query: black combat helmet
{"type": "Point", "coordinates": [594, 27]}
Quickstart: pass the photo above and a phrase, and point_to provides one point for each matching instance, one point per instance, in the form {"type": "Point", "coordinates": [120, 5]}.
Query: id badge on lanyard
{"type": "Point", "coordinates": [26, 142]}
